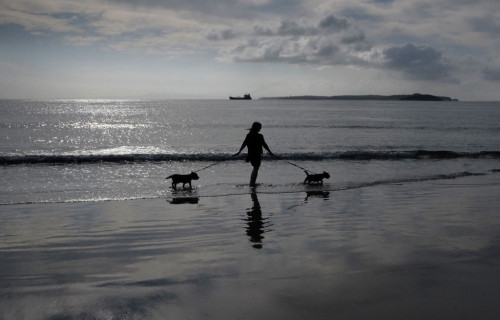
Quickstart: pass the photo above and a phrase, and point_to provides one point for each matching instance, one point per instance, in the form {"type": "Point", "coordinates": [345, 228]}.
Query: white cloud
{"type": "Point", "coordinates": [82, 41]}
{"type": "Point", "coordinates": [330, 40]}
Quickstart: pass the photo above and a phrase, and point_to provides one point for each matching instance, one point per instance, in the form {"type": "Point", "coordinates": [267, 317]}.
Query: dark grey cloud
{"type": "Point", "coordinates": [286, 28]}
{"type": "Point", "coordinates": [333, 23]}
{"type": "Point", "coordinates": [418, 62]}
{"type": "Point", "coordinates": [292, 28]}
{"type": "Point", "coordinates": [492, 73]}
{"type": "Point", "coordinates": [489, 25]}
{"type": "Point", "coordinates": [263, 31]}
{"type": "Point", "coordinates": [226, 34]}
{"type": "Point", "coordinates": [354, 38]}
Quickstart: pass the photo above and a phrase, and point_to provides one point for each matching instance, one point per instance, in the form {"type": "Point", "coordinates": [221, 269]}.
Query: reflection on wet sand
{"type": "Point", "coordinates": [184, 196]}
{"type": "Point", "coordinates": [184, 200]}
{"type": "Point", "coordinates": [317, 194]}
{"type": "Point", "coordinates": [415, 251]}
{"type": "Point", "coordinates": [255, 223]}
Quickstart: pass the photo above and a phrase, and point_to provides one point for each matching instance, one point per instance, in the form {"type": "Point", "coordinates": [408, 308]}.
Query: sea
{"type": "Point", "coordinates": [97, 150]}
{"type": "Point", "coordinates": [406, 226]}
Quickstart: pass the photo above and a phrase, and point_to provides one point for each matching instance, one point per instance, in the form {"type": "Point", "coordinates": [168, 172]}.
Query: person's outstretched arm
{"type": "Point", "coordinates": [264, 144]}
{"type": "Point", "coordinates": [243, 145]}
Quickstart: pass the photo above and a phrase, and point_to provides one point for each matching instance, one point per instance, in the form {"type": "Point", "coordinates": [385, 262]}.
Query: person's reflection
{"type": "Point", "coordinates": [255, 223]}
{"type": "Point", "coordinates": [184, 200]}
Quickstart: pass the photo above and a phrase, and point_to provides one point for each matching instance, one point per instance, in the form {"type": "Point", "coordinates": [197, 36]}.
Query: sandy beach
{"type": "Point", "coordinates": [422, 250]}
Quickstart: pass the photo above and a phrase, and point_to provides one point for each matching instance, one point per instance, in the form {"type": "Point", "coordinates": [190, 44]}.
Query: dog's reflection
{"type": "Point", "coordinates": [317, 194]}
{"type": "Point", "coordinates": [256, 225]}
{"type": "Point", "coordinates": [183, 197]}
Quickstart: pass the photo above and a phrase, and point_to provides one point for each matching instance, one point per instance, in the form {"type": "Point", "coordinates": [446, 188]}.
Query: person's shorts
{"type": "Point", "coordinates": [255, 161]}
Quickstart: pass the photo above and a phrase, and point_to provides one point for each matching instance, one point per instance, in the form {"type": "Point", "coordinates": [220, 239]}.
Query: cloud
{"type": "Point", "coordinates": [417, 62]}
{"type": "Point", "coordinates": [335, 40]}
{"type": "Point", "coordinates": [286, 28]}
{"type": "Point", "coordinates": [492, 73]}
{"type": "Point", "coordinates": [328, 41]}
{"type": "Point", "coordinates": [38, 22]}
{"type": "Point", "coordinates": [292, 28]}
{"type": "Point", "coordinates": [357, 37]}
{"type": "Point", "coordinates": [330, 24]}
{"type": "Point", "coordinates": [226, 34]}
{"type": "Point", "coordinates": [333, 23]}
{"type": "Point", "coordinates": [486, 24]}
{"type": "Point", "coordinates": [238, 9]}
{"type": "Point", "coordinates": [82, 41]}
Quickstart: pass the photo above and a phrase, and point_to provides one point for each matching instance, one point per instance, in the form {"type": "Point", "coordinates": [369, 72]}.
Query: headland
{"type": "Point", "coordinates": [403, 97]}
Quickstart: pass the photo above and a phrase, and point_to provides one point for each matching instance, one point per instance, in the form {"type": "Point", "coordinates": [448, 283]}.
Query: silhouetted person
{"type": "Point", "coordinates": [254, 141]}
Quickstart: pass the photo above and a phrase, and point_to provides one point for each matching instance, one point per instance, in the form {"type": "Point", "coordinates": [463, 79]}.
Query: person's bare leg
{"type": "Point", "coordinates": [253, 176]}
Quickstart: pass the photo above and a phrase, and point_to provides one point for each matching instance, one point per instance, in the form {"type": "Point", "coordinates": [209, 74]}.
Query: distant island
{"type": "Point", "coordinates": [404, 97]}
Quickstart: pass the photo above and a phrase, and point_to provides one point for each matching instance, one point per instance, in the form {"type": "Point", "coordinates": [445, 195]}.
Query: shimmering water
{"type": "Point", "coordinates": [406, 227]}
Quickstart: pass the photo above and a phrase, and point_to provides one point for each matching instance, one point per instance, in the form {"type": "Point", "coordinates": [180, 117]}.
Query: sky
{"type": "Point", "coordinates": [211, 49]}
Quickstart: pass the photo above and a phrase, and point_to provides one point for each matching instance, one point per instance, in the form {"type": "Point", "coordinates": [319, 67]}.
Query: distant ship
{"type": "Point", "coordinates": [245, 97]}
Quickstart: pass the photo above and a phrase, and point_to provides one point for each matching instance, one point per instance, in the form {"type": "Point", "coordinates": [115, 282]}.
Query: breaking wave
{"type": "Point", "coordinates": [159, 157]}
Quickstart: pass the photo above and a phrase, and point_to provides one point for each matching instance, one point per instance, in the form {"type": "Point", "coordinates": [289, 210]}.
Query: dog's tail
{"type": "Point", "coordinates": [307, 174]}
{"type": "Point", "coordinates": [168, 177]}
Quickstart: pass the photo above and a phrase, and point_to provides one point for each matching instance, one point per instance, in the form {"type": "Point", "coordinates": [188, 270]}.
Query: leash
{"type": "Point", "coordinates": [291, 163]}
{"type": "Point", "coordinates": [295, 165]}
{"type": "Point", "coordinates": [211, 165]}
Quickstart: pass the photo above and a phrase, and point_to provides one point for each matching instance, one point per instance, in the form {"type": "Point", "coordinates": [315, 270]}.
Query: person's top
{"type": "Point", "coordinates": [254, 141]}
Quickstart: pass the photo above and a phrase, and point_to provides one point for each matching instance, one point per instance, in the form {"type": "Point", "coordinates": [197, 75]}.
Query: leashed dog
{"type": "Point", "coordinates": [183, 178]}
{"type": "Point", "coordinates": [316, 178]}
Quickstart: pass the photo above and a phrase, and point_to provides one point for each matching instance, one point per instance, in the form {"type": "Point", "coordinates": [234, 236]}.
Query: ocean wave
{"type": "Point", "coordinates": [216, 157]}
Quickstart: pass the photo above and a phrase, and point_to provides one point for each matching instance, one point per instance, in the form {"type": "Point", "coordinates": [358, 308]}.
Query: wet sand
{"type": "Point", "coordinates": [422, 250]}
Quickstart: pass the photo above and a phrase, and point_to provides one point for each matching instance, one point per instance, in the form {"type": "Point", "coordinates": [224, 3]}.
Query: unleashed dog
{"type": "Point", "coordinates": [183, 178]}
{"type": "Point", "coordinates": [316, 178]}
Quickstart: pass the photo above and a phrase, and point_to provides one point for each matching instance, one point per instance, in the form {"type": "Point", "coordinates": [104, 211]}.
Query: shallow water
{"type": "Point", "coordinates": [94, 150]}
